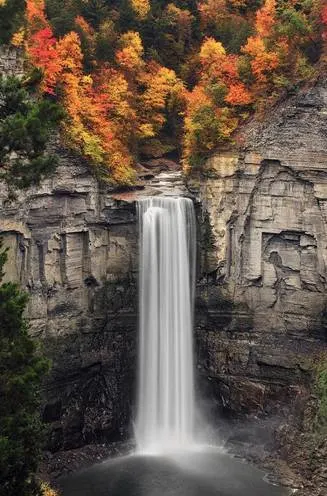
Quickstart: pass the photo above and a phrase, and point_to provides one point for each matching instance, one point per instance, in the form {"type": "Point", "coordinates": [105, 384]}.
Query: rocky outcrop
{"type": "Point", "coordinates": [261, 304]}
{"type": "Point", "coordinates": [73, 247]}
{"type": "Point", "coordinates": [11, 62]}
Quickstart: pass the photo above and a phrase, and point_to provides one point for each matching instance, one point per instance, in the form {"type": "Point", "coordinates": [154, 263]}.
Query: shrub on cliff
{"type": "Point", "coordinates": [26, 124]}
{"type": "Point", "coordinates": [21, 372]}
{"type": "Point", "coordinates": [321, 391]}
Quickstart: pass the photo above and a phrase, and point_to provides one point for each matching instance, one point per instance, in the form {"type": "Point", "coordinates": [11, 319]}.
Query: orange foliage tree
{"type": "Point", "coordinates": [216, 104]}
{"type": "Point", "coordinates": [111, 111]}
{"type": "Point", "coordinates": [117, 103]}
{"type": "Point", "coordinates": [41, 44]}
{"type": "Point", "coordinates": [263, 60]}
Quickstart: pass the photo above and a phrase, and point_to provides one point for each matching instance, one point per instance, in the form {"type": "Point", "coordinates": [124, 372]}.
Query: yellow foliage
{"type": "Point", "coordinates": [18, 38]}
{"type": "Point", "coordinates": [132, 39]}
{"type": "Point", "coordinates": [161, 83]}
{"type": "Point", "coordinates": [141, 8]}
{"type": "Point", "coordinates": [70, 53]}
{"type": "Point", "coordinates": [130, 55]}
{"type": "Point", "coordinates": [47, 490]}
{"type": "Point", "coordinates": [211, 52]}
{"type": "Point", "coordinates": [119, 97]}
{"type": "Point", "coordinates": [146, 131]}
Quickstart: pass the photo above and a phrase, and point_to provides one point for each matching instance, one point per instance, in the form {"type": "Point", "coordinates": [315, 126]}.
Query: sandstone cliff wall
{"type": "Point", "coordinates": [74, 248]}
{"type": "Point", "coordinates": [261, 297]}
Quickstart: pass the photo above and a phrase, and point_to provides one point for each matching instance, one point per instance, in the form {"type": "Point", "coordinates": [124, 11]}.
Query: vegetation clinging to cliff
{"type": "Point", "coordinates": [21, 372]}
{"type": "Point", "coordinates": [26, 123]}
{"type": "Point", "coordinates": [140, 77]}
{"type": "Point", "coordinates": [321, 390]}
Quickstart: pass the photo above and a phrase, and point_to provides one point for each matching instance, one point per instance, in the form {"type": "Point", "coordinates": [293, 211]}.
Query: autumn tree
{"type": "Point", "coordinates": [215, 106]}
{"type": "Point", "coordinates": [141, 8]}
{"type": "Point", "coordinates": [41, 45]}
{"type": "Point", "coordinates": [128, 72]}
{"type": "Point", "coordinates": [129, 56]}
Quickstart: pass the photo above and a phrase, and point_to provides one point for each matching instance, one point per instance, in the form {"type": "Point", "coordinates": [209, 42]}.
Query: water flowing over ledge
{"type": "Point", "coordinates": [166, 403]}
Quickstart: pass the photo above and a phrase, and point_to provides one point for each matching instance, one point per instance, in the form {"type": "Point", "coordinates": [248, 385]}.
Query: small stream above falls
{"type": "Point", "coordinates": [166, 183]}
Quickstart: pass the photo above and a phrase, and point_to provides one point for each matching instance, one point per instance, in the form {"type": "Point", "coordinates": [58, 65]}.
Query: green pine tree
{"type": "Point", "coordinates": [11, 18]}
{"type": "Point", "coordinates": [21, 371]}
{"type": "Point", "coordinates": [26, 125]}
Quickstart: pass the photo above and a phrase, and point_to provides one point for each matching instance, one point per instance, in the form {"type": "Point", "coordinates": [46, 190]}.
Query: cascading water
{"type": "Point", "coordinates": [166, 405]}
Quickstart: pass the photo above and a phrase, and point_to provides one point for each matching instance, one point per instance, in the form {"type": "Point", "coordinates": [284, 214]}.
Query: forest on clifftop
{"type": "Point", "coordinates": [140, 79]}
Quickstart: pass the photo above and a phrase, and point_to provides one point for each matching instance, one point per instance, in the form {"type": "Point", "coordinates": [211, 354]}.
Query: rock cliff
{"type": "Point", "coordinates": [73, 247]}
{"type": "Point", "coordinates": [11, 62]}
{"type": "Point", "coordinates": [261, 304]}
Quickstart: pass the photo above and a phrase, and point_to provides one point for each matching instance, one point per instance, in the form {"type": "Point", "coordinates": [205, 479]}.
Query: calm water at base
{"type": "Point", "coordinates": [196, 474]}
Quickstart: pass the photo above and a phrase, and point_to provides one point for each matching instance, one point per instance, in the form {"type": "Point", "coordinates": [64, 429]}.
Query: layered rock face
{"type": "Point", "coordinates": [261, 304]}
{"type": "Point", "coordinates": [11, 62]}
{"type": "Point", "coordinates": [73, 247]}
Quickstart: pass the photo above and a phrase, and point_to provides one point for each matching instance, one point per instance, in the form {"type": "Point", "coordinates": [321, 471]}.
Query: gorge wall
{"type": "Point", "coordinates": [73, 247]}
{"type": "Point", "coordinates": [261, 300]}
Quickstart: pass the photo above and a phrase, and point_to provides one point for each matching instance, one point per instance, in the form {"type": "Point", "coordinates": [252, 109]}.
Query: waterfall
{"type": "Point", "coordinates": [166, 406]}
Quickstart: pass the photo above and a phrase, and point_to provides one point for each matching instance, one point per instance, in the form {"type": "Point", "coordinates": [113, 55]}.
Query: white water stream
{"type": "Point", "coordinates": [166, 404]}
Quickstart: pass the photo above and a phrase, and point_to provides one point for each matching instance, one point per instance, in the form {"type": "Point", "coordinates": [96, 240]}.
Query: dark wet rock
{"type": "Point", "coordinates": [157, 165]}
{"type": "Point", "coordinates": [56, 465]}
